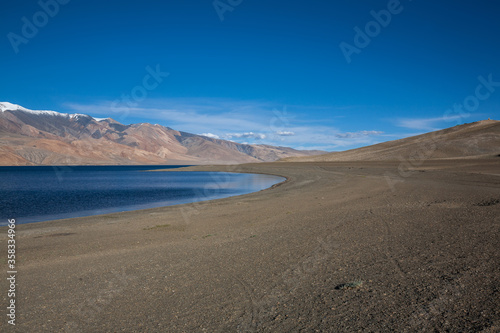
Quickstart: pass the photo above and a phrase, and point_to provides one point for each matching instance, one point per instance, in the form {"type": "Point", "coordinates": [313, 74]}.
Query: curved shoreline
{"type": "Point", "coordinates": [333, 241]}
{"type": "Point", "coordinates": [200, 196]}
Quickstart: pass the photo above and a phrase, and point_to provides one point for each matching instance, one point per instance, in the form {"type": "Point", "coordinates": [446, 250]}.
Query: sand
{"type": "Point", "coordinates": [338, 247]}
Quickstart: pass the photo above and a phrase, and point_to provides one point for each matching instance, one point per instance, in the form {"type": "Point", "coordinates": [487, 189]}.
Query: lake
{"type": "Point", "coordinates": [42, 193]}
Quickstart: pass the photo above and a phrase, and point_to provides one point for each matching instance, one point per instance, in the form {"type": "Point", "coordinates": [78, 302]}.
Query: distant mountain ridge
{"type": "Point", "coordinates": [480, 139]}
{"type": "Point", "coordinates": [29, 137]}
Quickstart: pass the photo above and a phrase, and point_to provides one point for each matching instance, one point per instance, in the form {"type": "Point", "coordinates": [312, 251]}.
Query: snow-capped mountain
{"type": "Point", "coordinates": [6, 106]}
{"type": "Point", "coordinates": [33, 137]}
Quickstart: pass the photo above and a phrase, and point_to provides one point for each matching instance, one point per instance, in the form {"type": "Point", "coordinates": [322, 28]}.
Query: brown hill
{"type": "Point", "coordinates": [50, 138]}
{"type": "Point", "coordinates": [479, 139]}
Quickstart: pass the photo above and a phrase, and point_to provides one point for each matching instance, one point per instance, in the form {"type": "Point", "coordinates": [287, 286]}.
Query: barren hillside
{"type": "Point", "coordinates": [479, 139]}
{"type": "Point", "coordinates": [30, 137]}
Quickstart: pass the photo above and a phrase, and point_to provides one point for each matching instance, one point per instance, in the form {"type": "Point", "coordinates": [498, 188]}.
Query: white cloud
{"type": "Point", "coordinates": [247, 135]}
{"type": "Point", "coordinates": [210, 135]}
{"type": "Point", "coordinates": [284, 133]}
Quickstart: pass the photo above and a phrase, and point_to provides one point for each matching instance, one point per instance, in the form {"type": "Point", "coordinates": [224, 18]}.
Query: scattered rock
{"type": "Point", "coordinates": [349, 285]}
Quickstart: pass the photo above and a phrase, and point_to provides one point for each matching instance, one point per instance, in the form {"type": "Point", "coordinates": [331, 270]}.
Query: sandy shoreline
{"type": "Point", "coordinates": [422, 247]}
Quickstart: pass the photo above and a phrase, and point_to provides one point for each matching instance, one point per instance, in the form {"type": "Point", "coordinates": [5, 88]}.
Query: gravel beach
{"type": "Point", "coordinates": [338, 247]}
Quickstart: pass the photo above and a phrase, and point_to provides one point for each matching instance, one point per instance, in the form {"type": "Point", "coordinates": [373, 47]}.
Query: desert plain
{"type": "Point", "coordinates": [337, 247]}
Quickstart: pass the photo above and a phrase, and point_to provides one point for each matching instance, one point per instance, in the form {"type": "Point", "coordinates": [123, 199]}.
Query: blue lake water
{"type": "Point", "coordinates": [42, 193]}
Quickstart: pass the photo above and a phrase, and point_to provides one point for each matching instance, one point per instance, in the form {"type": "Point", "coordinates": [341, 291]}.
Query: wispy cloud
{"type": "Point", "coordinates": [193, 116]}
{"type": "Point", "coordinates": [354, 135]}
{"type": "Point", "coordinates": [427, 124]}
{"type": "Point", "coordinates": [326, 138]}
{"type": "Point", "coordinates": [242, 121]}
{"type": "Point", "coordinates": [284, 133]}
{"type": "Point", "coordinates": [247, 135]}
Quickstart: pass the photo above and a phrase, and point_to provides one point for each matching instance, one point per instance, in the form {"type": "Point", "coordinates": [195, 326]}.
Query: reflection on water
{"type": "Point", "coordinates": [36, 194]}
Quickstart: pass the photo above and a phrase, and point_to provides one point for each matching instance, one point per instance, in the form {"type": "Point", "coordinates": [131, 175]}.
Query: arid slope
{"type": "Point", "coordinates": [30, 137]}
{"type": "Point", "coordinates": [479, 139]}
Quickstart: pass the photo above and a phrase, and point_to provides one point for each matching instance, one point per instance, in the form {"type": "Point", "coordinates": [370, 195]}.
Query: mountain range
{"type": "Point", "coordinates": [29, 137]}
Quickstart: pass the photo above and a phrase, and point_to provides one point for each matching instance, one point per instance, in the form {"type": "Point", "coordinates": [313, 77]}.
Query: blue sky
{"type": "Point", "coordinates": [270, 72]}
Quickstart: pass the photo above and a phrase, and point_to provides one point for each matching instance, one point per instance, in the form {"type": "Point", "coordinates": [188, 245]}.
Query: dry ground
{"type": "Point", "coordinates": [339, 247]}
